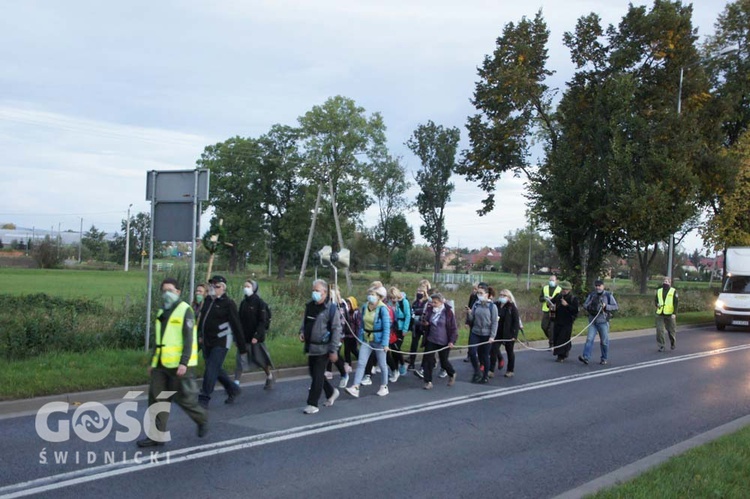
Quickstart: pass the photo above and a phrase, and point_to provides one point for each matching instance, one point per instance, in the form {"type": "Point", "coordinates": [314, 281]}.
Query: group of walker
{"type": "Point", "coordinates": [378, 327]}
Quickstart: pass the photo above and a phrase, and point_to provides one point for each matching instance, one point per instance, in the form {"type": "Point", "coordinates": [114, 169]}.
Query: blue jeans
{"type": "Point", "coordinates": [603, 329]}
{"type": "Point", "coordinates": [365, 349]}
{"type": "Point", "coordinates": [214, 357]}
{"type": "Point", "coordinates": [481, 354]}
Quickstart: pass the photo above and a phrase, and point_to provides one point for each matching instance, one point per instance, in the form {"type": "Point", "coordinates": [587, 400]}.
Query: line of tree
{"type": "Point", "coordinates": [622, 167]}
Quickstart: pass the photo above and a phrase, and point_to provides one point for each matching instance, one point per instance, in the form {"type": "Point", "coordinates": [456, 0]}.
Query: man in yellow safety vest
{"type": "Point", "coordinates": [549, 291]}
{"type": "Point", "coordinates": [666, 310]}
{"type": "Point", "coordinates": [172, 374]}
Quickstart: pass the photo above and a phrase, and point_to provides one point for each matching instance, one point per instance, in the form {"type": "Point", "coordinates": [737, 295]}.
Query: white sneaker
{"type": "Point", "coordinates": [344, 381]}
{"type": "Point", "coordinates": [383, 391]}
{"type": "Point", "coordinates": [332, 398]}
{"type": "Point", "coordinates": [443, 373]}
{"type": "Point", "coordinates": [367, 380]}
{"type": "Point", "coordinates": [329, 375]}
{"type": "Point", "coordinates": [394, 376]}
{"type": "Point", "coordinates": [347, 368]}
{"type": "Point", "coordinates": [376, 370]}
{"type": "Point", "coordinates": [353, 391]}
{"type": "Point", "coordinates": [310, 409]}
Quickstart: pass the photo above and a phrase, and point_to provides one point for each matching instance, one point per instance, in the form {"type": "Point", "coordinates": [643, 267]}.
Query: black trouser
{"type": "Point", "coordinates": [508, 344]}
{"type": "Point", "coordinates": [416, 335]}
{"type": "Point", "coordinates": [317, 365]}
{"type": "Point", "coordinates": [429, 360]}
{"type": "Point", "coordinates": [398, 357]}
{"type": "Point", "coordinates": [562, 335]}
{"type": "Point", "coordinates": [479, 353]}
{"type": "Point", "coordinates": [339, 364]}
{"type": "Point", "coordinates": [351, 349]}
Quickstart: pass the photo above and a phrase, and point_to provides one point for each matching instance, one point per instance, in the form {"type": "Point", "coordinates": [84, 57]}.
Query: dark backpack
{"type": "Point", "coordinates": [266, 311]}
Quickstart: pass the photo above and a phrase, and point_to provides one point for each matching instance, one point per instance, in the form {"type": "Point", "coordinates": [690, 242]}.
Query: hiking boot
{"type": "Point", "coordinates": [673, 346]}
{"type": "Point", "coordinates": [604, 362]}
{"type": "Point", "coordinates": [583, 359]}
{"type": "Point", "coordinates": [269, 384]}
{"type": "Point", "coordinates": [202, 429]}
{"type": "Point", "coordinates": [661, 348]}
{"type": "Point", "coordinates": [491, 374]}
{"type": "Point", "coordinates": [509, 374]}
{"type": "Point", "coordinates": [484, 380]}
{"type": "Point", "coordinates": [310, 409]}
{"type": "Point", "coordinates": [452, 380]}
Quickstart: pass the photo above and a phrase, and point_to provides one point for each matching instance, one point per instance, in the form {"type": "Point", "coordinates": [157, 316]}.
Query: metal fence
{"type": "Point", "coordinates": [457, 278]}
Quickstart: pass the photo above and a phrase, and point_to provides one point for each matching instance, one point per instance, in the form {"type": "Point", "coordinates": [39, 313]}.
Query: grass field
{"type": "Point", "coordinates": [717, 469]}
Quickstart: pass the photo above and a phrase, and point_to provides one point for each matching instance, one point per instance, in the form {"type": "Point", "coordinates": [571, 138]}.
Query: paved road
{"type": "Point", "coordinates": [550, 429]}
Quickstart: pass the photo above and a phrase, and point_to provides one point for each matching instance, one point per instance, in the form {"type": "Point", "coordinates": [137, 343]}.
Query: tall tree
{"type": "Point", "coordinates": [337, 137]}
{"type": "Point", "coordinates": [723, 172]}
{"type": "Point", "coordinates": [435, 146]}
{"type": "Point", "coordinates": [94, 241]}
{"type": "Point", "coordinates": [234, 166]}
{"type": "Point", "coordinates": [513, 103]}
{"type": "Point", "coordinates": [521, 246]}
{"type": "Point", "coordinates": [387, 179]}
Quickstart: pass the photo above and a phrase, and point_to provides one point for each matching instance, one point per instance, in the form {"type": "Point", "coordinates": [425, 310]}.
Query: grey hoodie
{"type": "Point", "coordinates": [483, 319]}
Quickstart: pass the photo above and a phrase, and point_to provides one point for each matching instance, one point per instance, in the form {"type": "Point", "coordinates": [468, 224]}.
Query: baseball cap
{"type": "Point", "coordinates": [217, 279]}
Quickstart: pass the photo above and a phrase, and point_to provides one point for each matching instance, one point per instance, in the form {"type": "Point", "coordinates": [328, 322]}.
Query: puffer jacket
{"type": "Point", "coordinates": [321, 328]}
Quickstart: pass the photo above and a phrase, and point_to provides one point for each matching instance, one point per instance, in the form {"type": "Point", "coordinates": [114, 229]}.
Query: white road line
{"type": "Point", "coordinates": [78, 477]}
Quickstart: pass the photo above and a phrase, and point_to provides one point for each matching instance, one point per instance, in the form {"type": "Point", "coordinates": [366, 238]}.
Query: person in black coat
{"type": "Point", "coordinates": [508, 326]}
{"type": "Point", "coordinates": [565, 306]}
{"type": "Point", "coordinates": [219, 325]}
{"type": "Point", "coordinates": [254, 319]}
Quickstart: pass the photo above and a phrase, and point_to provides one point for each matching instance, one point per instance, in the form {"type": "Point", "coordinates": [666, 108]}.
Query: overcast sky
{"type": "Point", "coordinates": [95, 94]}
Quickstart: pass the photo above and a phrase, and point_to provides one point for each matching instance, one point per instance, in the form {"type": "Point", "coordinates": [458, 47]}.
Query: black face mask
{"type": "Point", "coordinates": [665, 286]}
{"type": "Point", "coordinates": [420, 296]}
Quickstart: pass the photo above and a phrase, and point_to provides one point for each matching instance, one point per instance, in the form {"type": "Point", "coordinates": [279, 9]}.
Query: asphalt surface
{"type": "Point", "coordinates": [552, 429]}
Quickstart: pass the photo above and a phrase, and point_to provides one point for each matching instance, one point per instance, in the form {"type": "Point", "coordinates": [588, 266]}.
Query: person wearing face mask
{"type": "Point", "coordinates": [666, 310]}
{"type": "Point", "coordinates": [482, 319]}
{"type": "Point", "coordinates": [201, 290]}
{"type": "Point", "coordinates": [508, 326]}
{"type": "Point", "coordinates": [173, 361]}
{"type": "Point", "coordinates": [417, 309]}
{"type": "Point", "coordinates": [565, 304]}
{"type": "Point", "coordinates": [599, 305]}
{"type": "Point", "coordinates": [219, 325]}
{"type": "Point", "coordinates": [442, 333]}
{"type": "Point", "coordinates": [549, 291]}
{"type": "Point", "coordinates": [321, 334]}
{"type": "Point", "coordinates": [374, 333]}
{"type": "Point", "coordinates": [254, 317]}
{"type": "Point", "coordinates": [399, 303]}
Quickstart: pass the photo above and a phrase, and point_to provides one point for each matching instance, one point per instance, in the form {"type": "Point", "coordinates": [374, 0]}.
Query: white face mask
{"type": "Point", "coordinates": [249, 291]}
{"type": "Point", "coordinates": [481, 298]}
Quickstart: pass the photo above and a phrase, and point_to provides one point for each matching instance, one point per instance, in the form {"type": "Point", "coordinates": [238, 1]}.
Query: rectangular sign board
{"type": "Point", "coordinates": [177, 186]}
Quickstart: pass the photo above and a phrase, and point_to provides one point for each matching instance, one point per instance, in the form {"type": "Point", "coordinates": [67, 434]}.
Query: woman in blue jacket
{"type": "Point", "coordinates": [374, 332]}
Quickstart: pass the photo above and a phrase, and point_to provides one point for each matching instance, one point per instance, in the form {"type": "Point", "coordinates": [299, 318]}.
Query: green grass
{"type": "Point", "coordinates": [717, 469]}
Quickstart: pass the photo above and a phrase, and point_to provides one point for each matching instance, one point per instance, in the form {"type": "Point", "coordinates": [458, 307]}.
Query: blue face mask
{"type": "Point", "coordinates": [552, 284]}
{"type": "Point", "coordinates": [316, 296]}
{"type": "Point", "coordinates": [503, 300]}
{"type": "Point", "coordinates": [372, 299]}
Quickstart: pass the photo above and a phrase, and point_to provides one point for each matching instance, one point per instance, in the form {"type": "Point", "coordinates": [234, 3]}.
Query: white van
{"type": "Point", "coordinates": [732, 308]}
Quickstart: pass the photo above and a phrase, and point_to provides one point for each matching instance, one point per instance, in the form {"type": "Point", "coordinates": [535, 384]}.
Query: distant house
{"type": "Point", "coordinates": [479, 259]}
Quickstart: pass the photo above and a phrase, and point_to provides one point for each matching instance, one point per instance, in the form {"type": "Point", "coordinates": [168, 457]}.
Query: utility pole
{"type": "Point", "coordinates": [127, 239]}
{"type": "Point", "coordinates": [528, 269]}
{"type": "Point", "coordinates": [80, 241]}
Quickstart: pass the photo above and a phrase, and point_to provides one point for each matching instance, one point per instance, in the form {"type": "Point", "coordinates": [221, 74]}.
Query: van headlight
{"type": "Point", "coordinates": [719, 304]}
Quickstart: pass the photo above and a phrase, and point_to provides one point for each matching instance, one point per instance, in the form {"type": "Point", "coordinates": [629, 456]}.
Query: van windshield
{"type": "Point", "coordinates": [737, 284]}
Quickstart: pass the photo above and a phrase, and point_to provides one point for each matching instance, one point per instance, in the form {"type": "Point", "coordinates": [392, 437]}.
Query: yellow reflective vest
{"type": "Point", "coordinates": [665, 307]}
{"type": "Point", "coordinates": [545, 307]}
{"type": "Point", "coordinates": [169, 342]}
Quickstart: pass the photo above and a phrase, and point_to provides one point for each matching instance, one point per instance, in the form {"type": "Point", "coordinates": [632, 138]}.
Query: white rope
{"type": "Point", "coordinates": [489, 342]}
